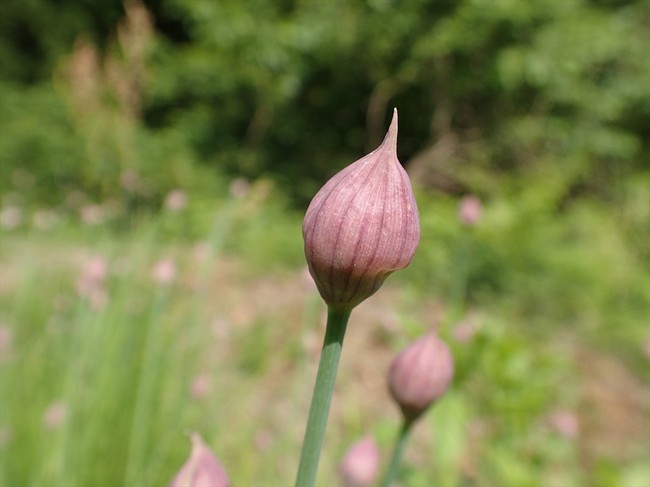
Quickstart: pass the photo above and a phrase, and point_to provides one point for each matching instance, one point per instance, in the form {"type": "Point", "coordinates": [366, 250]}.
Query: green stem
{"type": "Point", "coordinates": [337, 321]}
{"type": "Point", "coordinates": [398, 450]}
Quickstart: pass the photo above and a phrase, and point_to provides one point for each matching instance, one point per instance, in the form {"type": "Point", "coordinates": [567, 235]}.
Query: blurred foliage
{"type": "Point", "coordinates": [488, 91]}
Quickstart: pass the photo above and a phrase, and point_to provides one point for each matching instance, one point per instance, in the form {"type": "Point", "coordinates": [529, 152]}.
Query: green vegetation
{"type": "Point", "coordinates": [153, 178]}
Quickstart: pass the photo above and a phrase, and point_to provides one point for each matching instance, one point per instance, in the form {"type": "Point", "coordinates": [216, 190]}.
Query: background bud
{"type": "Point", "coordinates": [360, 465]}
{"type": "Point", "coordinates": [470, 210]}
{"type": "Point", "coordinates": [361, 226]}
{"type": "Point", "coordinates": [202, 469]}
{"type": "Point", "coordinates": [420, 375]}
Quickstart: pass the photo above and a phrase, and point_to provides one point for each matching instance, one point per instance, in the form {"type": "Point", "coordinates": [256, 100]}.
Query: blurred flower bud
{"type": "Point", "coordinates": [470, 210]}
{"type": "Point", "coordinates": [175, 200]}
{"type": "Point", "coordinates": [565, 423]}
{"type": "Point", "coordinates": [55, 414]}
{"type": "Point", "coordinates": [360, 465]}
{"type": "Point", "coordinates": [202, 469]}
{"type": "Point", "coordinates": [361, 226]}
{"type": "Point", "coordinates": [420, 375]}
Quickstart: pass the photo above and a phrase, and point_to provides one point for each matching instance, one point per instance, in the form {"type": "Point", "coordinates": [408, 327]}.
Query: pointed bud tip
{"type": "Point", "coordinates": [390, 141]}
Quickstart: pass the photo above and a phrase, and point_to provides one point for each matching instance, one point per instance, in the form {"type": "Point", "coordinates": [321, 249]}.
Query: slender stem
{"type": "Point", "coordinates": [398, 450]}
{"type": "Point", "coordinates": [337, 321]}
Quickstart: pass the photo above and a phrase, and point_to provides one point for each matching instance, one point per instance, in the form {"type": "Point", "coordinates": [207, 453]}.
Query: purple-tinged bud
{"type": "Point", "coordinates": [360, 465]}
{"type": "Point", "coordinates": [470, 210]}
{"type": "Point", "coordinates": [201, 469]}
{"type": "Point", "coordinates": [361, 226]}
{"type": "Point", "coordinates": [420, 375]}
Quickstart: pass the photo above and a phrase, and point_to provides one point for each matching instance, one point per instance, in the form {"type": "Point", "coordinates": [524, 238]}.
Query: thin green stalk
{"type": "Point", "coordinates": [398, 450]}
{"type": "Point", "coordinates": [337, 321]}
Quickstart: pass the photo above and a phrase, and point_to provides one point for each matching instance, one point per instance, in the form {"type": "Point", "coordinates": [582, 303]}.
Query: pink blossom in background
{"type": "Point", "coordinates": [164, 271]}
{"type": "Point", "coordinates": [466, 329]}
{"type": "Point", "coordinates": [360, 464]}
{"type": "Point", "coordinates": [91, 282]}
{"type": "Point", "coordinates": [200, 386]}
{"type": "Point", "coordinates": [220, 327]}
{"type": "Point", "coordinates": [55, 414]}
{"type": "Point", "coordinates": [11, 217]}
{"type": "Point", "coordinates": [202, 469]}
{"type": "Point", "coordinates": [420, 375]}
{"type": "Point", "coordinates": [202, 251]}
{"type": "Point", "coordinates": [470, 210]}
{"type": "Point", "coordinates": [92, 214]}
{"type": "Point", "coordinates": [263, 440]}
{"type": "Point", "coordinates": [176, 200]}
{"type": "Point", "coordinates": [565, 423]}
{"type": "Point", "coordinates": [239, 188]}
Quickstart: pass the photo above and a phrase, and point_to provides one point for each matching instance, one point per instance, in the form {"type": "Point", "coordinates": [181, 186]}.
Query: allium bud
{"type": "Point", "coordinates": [361, 226]}
{"type": "Point", "coordinates": [201, 469]}
{"type": "Point", "coordinates": [360, 465]}
{"type": "Point", "coordinates": [420, 375]}
{"type": "Point", "coordinates": [470, 210]}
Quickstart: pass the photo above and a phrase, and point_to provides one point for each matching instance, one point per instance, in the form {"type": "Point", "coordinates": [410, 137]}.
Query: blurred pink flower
{"type": "Point", "coordinates": [200, 386]}
{"type": "Point", "coordinates": [466, 329]}
{"type": "Point", "coordinates": [202, 251]}
{"type": "Point", "coordinates": [263, 440]}
{"type": "Point", "coordinates": [565, 423]}
{"type": "Point", "coordinates": [92, 214]}
{"type": "Point", "coordinates": [239, 188]}
{"type": "Point", "coordinates": [360, 464]}
{"type": "Point", "coordinates": [470, 210]}
{"type": "Point", "coordinates": [91, 281]}
{"type": "Point", "coordinates": [164, 271]}
{"type": "Point", "coordinates": [55, 414]}
{"type": "Point", "coordinates": [176, 200]}
{"type": "Point", "coordinates": [420, 375]}
{"type": "Point", "coordinates": [11, 217]}
{"type": "Point", "coordinates": [202, 469]}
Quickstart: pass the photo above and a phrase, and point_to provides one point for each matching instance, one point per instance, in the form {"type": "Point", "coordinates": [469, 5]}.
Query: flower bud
{"type": "Point", "coordinates": [420, 375]}
{"type": "Point", "coordinates": [361, 226]}
{"type": "Point", "coordinates": [470, 210]}
{"type": "Point", "coordinates": [360, 465]}
{"type": "Point", "coordinates": [201, 469]}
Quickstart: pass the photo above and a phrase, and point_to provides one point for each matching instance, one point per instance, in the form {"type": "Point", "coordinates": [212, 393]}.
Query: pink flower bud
{"type": "Point", "coordinates": [361, 226]}
{"type": "Point", "coordinates": [470, 210]}
{"type": "Point", "coordinates": [360, 465]}
{"type": "Point", "coordinates": [201, 469]}
{"type": "Point", "coordinates": [420, 375]}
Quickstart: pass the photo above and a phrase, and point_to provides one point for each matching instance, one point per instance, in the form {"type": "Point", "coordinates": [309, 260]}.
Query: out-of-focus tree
{"type": "Point", "coordinates": [541, 90]}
